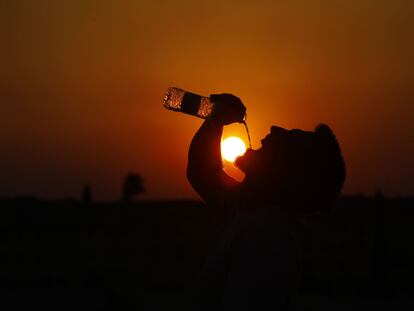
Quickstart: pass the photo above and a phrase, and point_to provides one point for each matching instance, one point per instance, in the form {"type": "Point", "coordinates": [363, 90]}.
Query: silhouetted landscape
{"type": "Point", "coordinates": [66, 255]}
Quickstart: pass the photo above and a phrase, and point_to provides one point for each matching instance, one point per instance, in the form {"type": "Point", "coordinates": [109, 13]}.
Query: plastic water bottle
{"type": "Point", "coordinates": [196, 105]}
{"type": "Point", "coordinates": [189, 103]}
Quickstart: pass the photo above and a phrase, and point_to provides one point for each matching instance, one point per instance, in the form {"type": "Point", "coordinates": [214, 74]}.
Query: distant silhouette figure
{"type": "Point", "coordinates": [255, 265]}
{"type": "Point", "coordinates": [87, 194]}
{"type": "Point", "coordinates": [133, 185]}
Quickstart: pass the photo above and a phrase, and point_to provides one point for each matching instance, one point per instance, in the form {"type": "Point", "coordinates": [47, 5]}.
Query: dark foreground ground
{"type": "Point", "coordinates": [145, 256]}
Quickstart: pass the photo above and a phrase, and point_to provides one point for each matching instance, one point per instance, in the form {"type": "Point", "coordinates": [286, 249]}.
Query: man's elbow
{"type": "Point", "coordinates": [200, 183]}
{"type": "Point", "coordinates": [193, 177]}
{"type": "Point", "coordinates": [190, 175]}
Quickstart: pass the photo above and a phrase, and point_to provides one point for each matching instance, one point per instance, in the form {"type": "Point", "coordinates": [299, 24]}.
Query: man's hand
{"type": "Point", "coordinates": [227, 109]}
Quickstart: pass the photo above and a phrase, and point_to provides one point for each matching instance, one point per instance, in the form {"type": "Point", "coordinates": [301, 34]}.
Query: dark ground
{"type": "Point", "coordinates": [69, 255]}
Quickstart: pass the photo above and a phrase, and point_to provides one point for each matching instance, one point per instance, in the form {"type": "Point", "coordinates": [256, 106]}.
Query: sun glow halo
{"type": "Point", "coordinates": [232, 147]}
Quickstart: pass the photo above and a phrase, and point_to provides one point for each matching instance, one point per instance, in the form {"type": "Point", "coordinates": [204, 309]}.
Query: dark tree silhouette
{"type": "Point", "coordinates": [133, 184]}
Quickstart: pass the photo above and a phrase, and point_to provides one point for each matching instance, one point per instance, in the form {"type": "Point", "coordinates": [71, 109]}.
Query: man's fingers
{"type": "Point", "coordinates": [228, 108]}
{"type": "Point", "coordinates": [225, 97]}
{"type": "Point", "coordinates": [214, 97]}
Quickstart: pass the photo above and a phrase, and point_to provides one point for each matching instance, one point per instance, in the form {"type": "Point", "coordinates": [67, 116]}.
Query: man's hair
{"type": "Point", "coordinates": [325, 172]}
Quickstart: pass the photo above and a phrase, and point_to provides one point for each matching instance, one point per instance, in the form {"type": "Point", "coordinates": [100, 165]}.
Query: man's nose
{"type": "Point", "coordinates": [277, 130]}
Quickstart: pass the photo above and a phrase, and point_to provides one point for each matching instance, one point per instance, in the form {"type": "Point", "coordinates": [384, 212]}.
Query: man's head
{"type": "Point", "coordinates": [295, 167]}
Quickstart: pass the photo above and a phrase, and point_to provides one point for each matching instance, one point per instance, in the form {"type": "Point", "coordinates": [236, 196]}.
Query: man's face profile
{"type": "Point", "coordinates": [278, 149]}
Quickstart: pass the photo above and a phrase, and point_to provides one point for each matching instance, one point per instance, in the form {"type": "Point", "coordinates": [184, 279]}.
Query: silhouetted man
{"type": "Point", "coordinates": [255, 264]}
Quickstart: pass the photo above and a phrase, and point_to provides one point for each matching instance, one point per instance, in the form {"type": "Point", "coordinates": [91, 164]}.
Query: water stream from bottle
{"type": "Point", "coordinates": [247, 131]}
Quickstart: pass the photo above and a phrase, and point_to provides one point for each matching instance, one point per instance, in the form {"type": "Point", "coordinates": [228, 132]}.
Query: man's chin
{"type": "Point", "coordinates": [241, 161]}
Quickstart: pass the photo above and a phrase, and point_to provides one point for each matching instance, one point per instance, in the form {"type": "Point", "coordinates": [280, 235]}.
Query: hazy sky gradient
{"type": "Point", "coordinates": [81, 84]}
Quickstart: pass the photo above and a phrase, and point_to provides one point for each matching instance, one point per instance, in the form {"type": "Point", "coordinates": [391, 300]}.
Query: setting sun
{"type": "Point", "coordinates": [232, 147]}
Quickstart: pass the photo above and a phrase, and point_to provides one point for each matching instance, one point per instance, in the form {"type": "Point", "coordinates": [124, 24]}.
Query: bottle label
{"type": "Point", "coordinates": [190, 103]}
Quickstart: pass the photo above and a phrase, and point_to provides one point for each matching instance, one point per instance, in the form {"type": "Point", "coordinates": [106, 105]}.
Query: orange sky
{"type": "Point", "coordinates": [81, 84]}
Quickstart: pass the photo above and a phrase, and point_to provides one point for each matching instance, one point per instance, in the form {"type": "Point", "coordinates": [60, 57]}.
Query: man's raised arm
{"type": "Point", "coordinates": [204, 167]}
